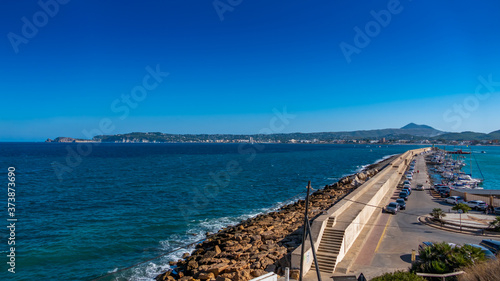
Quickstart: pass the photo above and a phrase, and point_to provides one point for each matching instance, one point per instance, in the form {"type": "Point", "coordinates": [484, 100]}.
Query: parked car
{"type": "Point", "coordinates": [407, 191]}
{"type": "Point", "coordinates": [492, 245]}
{"type": "Point", "coordinates": [477, 205]}
{"type": "Point", "coordinates": [419, 187]}
{"type": "Point", "coordinates": [407, 182]}
{"type": "Point", "coordinates": [407, 186]}
{"type": "Point", "coordinates": [440, 189]}
{"type": "Point", "coordinates": [445, 194]}
{"type": "Point", "coordinates": [403, 195]}
{"type": "Point", "coordinates": [454, 200]}
{"type": "Point", "coordinates": [487, 253]}
{"type": "Point", "coordinates": [437, 186]}
{"type": "Point", "coordinates": [496, 211]}
{"type": "Point", "coordinates": [410, 177]}
{"type": "Point", "coordinates": [427, 244]}
{"type": "Point", "coordinates": [393, 208]}
{"type": "Point", "coordinates": [424, 245]}
{"type": "Point", "coordinates": [402, 204]}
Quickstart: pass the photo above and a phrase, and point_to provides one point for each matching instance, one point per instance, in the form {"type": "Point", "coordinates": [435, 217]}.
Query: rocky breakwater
{"type": "Point", "coordinates": [261, 244]}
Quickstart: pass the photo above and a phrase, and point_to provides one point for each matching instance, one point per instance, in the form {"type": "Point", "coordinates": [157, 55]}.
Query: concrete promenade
{"type": "Point", "coordinates": [358, 215]}
{"type": "Point", "coordinates": [368, 259]}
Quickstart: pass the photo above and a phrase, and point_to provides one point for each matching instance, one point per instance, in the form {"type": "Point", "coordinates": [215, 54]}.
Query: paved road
{"type": "Point", "coordinates": [403, 232]}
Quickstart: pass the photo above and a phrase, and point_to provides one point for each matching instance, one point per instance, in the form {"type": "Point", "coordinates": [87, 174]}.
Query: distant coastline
{"type": "Point", "coordinates": [409, 134]}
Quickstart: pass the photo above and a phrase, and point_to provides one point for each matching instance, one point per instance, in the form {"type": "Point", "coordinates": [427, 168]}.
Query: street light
{"type": "Point", "coordinates": [460, 212]}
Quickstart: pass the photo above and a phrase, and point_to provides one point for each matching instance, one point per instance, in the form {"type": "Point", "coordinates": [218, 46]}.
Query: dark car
{"type": "Point", "coordinates": [424, 245]}
{"type": "Point", "coordinates": [403, 195]}
{"type": "Point", "coordinates": [393, 207]}
{"type": "Point", "coordinates": [406, 190]}
{"type": "Point", "coordinates": [445, 194]}
{"type": "Point", "coordinates": [492, 245]}
{"type": "Point", "coordinates": [402, 204]}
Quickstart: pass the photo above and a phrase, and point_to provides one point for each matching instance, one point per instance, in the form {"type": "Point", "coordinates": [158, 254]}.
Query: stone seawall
{"type": "Point", "coordinates": [264, 243]}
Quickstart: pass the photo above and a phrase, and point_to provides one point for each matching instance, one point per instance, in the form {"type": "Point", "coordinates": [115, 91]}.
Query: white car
{"type": "Point", "coordinates": [407, 186]}
{"type": "Point", "coordinates": [477, 205]}
{"type": "Point", "coordinates": [410, 177]}
{"type": "Point", "coordinates": [419, 187]}
{"type": "Point", "coordinates": [454, 200]}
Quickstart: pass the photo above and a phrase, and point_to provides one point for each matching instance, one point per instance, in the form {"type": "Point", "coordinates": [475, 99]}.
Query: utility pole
{"type": "Point", "coordinates": [307, 231]}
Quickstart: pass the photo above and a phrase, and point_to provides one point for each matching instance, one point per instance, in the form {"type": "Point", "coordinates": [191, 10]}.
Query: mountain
{"type": "Point", "coordinates": [494, 135]}
{"type": "Point", "coordinates": [415, 126]}
{"type": "Point", "coordinates": [463, 136]}
{"type": "Point", "coordinates": [421, 130]}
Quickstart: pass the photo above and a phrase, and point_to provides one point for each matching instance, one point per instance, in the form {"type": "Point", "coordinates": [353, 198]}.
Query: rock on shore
{"type": "Point", "coordinates": [261, 244]}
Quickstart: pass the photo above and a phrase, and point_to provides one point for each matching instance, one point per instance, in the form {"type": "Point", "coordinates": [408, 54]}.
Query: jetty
{"type": "Point", "coordinates": [271, 242]}
{"type": "Point", "coordinates": [336, 230]}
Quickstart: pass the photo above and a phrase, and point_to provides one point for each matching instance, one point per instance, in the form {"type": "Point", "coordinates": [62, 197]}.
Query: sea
{"type": "Point", "coordinates": [122, 211]}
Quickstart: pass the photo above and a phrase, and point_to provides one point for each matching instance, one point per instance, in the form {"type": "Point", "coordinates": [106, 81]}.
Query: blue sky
{"type": "Point", "coordinates": [232, 64]}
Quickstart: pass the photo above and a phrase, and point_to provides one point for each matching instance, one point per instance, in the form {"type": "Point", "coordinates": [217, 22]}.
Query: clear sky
{"type": "Point", "coordinates": [77, 68]}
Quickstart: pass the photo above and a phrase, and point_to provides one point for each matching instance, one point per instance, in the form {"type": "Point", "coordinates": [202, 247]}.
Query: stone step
{"type": "Point", "coordinates": [330, 238]}
{"type": "Point", "coordinates": [329, 249]}
{"type": "Point", "coordinates": [327, 259]}
{"type": "Point", "coordinates": [329, 233]}
{"type": "Point", "coordinates": [328, 244]}
{"type": "Point", "coordinates": [331, 243]}
{"type": "Point", "coordinates": [330, 229]}
{"type": "Point", "coordinates": [327, 268]}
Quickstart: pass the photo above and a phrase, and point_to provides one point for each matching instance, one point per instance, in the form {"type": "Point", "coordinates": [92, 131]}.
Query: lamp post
{"type": "Point", "coordinates": [460, 212]}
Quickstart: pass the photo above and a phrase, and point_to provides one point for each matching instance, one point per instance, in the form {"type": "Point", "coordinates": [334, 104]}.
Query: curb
{"type": "Point", "coordinates": [425, 220]}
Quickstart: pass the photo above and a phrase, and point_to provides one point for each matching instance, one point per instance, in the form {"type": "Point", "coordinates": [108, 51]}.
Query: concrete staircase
{"type": "Point", "coordinates": [329, 247]}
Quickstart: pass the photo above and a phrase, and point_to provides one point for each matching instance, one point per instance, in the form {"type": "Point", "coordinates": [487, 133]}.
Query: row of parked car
{"type": "Point", "coordinates": [400, 203]}
{"type": "Point", "coordinates": [489, 247]}
{"type": "Point", "coordinates": [477, 205]}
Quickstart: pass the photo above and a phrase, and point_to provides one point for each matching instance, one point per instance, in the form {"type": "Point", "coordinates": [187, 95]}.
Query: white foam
{"type": "Point", "coordinates": [147, 272]}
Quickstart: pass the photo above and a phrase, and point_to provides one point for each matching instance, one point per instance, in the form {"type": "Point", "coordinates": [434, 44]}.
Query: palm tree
{"type": "Point", "coordinates": [461, 206]}
{"type": "Point", "coordinates": [437, 214]}
{"type": "Point", "coordinates": [445, 258]}
{"type": "Point", "coordinates": [495, 224]}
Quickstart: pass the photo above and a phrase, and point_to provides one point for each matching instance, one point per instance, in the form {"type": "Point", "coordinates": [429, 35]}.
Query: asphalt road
{"type": "Point", "coordinates": [405, 232]}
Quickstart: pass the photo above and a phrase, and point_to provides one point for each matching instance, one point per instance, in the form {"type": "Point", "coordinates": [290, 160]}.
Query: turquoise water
{"type": "Point", "coordinates": [126, 203]}
{"type": "Point", "coordinates": [485, 165]}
